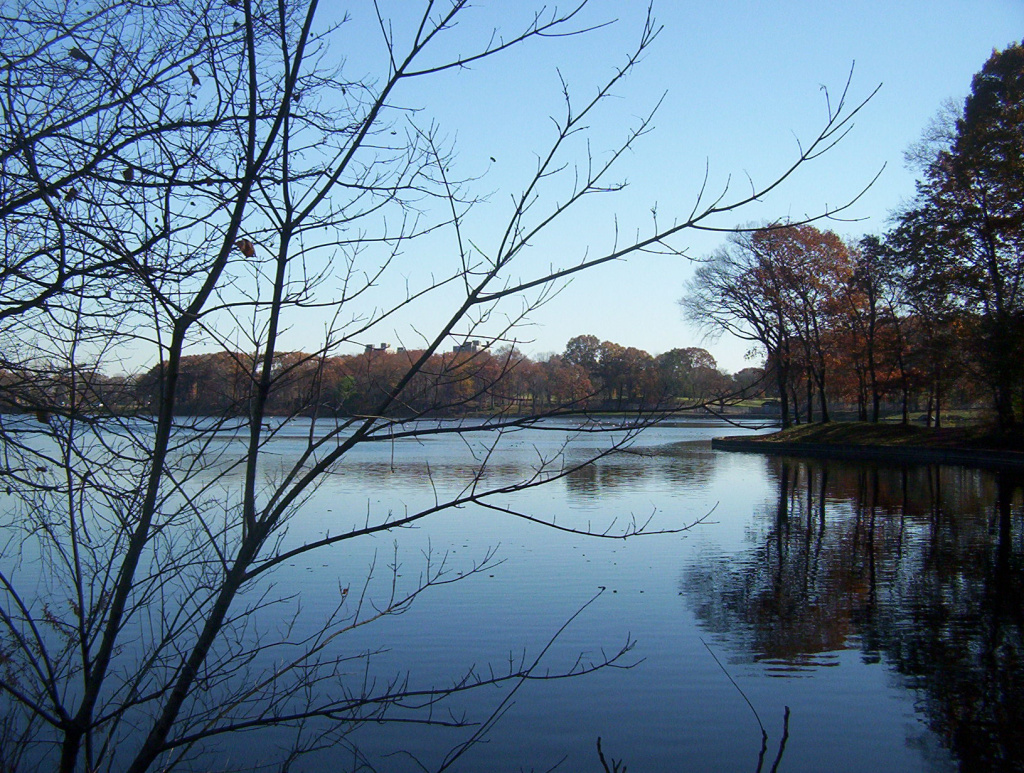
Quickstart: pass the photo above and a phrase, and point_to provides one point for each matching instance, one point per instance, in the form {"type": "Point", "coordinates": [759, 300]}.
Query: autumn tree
{"type": "Point", "coordinates": [625, 373]}
{"type": "Point", "coordinates": [749, 381]}
{"type": "Point", "coordinates": [741, 289]}
{"type": "Point", "coordinates": [870, 307]}
{"type": "Point", "coordinates": [559, 382]}
{"type": "Point", "coordinates": [967, 221]}
{"type": "Point", "coordinates": [931, 329]}
{"type": "Point", "coordinates": [814, 269]}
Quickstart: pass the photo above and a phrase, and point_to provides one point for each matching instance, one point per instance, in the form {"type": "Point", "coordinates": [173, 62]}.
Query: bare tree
{"type": "Point", "coordinates": [183, 177]}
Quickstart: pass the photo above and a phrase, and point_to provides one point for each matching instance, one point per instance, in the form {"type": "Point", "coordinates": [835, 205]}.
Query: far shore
{"type": "Point", "coordinates": [972, 446]}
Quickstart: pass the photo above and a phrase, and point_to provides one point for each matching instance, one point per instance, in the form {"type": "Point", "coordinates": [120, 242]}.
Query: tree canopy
{"type": "Point", "coordinates": [963, 235]}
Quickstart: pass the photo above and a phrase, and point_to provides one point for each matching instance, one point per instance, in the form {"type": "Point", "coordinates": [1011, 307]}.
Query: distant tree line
{"type": "Point", "coordinates": [931, 312]}
{"type": "Point", "coordinates": [590, 374]}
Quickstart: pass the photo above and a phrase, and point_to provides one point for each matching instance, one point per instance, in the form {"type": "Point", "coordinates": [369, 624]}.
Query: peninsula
{"type": "Point", "coordinates": [970, 445]}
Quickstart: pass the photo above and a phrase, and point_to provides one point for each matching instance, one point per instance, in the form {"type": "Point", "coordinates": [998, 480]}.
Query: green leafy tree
{"type": "Point", "coordinates": [583, 350]}
{"type": "Point", "coordinates": [679, 371]}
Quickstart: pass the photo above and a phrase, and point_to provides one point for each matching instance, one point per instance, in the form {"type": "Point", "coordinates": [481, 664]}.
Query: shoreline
{"type": "Point", "coordinates": [912, 454]}
{"type": "Point", "coordinates": [861, 441]}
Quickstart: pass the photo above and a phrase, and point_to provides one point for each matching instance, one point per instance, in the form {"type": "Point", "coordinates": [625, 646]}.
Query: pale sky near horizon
{"type": "Point", "coordinates": [743, 84]}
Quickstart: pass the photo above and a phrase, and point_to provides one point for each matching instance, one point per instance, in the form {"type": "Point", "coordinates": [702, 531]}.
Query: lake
{"type": "Point", "coordinates": [881, 604]}
{"type": "Point", "coordinates": [866, 616]}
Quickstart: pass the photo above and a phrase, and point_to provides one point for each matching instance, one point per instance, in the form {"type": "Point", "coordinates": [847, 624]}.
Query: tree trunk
{"type": "Point", "coordinates": [823, 399]}
{"type": "Point", "coordinates": [781, 381]}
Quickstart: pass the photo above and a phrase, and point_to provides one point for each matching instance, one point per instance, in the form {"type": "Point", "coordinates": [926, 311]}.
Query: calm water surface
{"type": "Point", "coordinates": [881, 604]}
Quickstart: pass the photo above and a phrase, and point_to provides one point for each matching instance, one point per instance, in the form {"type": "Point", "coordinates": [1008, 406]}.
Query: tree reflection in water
{"type": "Point", "coordinates": [921, 568]}
{"type": "Point", "coordinates": [686, 463]}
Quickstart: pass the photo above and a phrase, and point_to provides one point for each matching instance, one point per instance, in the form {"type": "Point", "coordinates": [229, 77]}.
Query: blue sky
{"type": "Point", "coordinates": [740, 84]}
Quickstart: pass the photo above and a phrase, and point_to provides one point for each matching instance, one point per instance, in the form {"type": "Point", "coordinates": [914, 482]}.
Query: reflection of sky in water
{"type": "Point", "coordinates": [676, 710]}
{"type": "Point", "coordinates": [795, 614]}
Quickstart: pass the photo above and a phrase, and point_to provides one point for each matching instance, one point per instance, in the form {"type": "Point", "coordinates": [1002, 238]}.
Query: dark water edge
{"type": "Point", "coordinates": [986, 459]}
{"type": "Point", "coordinates": [920, 567]}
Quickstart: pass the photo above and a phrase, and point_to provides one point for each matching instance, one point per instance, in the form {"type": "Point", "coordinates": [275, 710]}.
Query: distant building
{"type": "Point", "coordinates": [371, 348]}
{"type": "Point", "coordinates": [468, 347]}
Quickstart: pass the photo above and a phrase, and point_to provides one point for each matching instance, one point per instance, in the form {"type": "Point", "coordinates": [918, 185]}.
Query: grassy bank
{"type": "Point", "coordinates": [858, 433]}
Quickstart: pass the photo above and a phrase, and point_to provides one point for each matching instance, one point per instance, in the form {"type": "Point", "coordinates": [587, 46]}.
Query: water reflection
{"type": "Point", "coordinates": [690, 464]}
{"type": "Point", "coordinates": [920, 568]}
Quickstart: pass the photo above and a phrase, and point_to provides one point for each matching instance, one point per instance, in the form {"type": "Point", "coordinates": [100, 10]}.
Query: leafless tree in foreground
{"type": "Point", "coordinates": [194, 176]}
